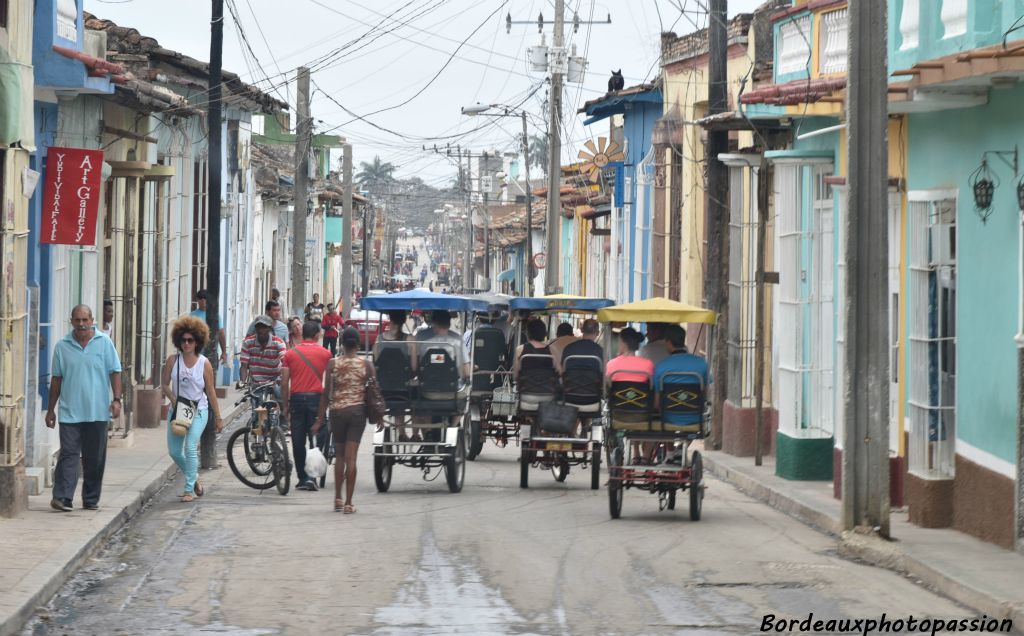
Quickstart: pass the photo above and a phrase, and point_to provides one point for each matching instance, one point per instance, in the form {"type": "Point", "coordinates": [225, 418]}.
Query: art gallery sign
{"type": "Point", "coordinates": [71, 196]}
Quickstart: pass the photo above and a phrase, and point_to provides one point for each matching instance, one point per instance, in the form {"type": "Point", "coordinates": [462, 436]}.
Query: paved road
{"type": "Point", "coordinates": [492, 560]}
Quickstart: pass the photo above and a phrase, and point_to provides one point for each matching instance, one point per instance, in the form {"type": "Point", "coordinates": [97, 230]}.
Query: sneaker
{"type": "Point", "coordinates": [91, 506]}
{"type": "Point", "coordinates": [61, 506]}
{"type": "Point", "coordinates": [302, 485]}
{"type": "Point", "coordinates": [311, 485]}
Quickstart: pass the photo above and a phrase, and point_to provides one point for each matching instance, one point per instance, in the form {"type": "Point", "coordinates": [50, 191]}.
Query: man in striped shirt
{"type": "Point", "coordinates": [262, 353]}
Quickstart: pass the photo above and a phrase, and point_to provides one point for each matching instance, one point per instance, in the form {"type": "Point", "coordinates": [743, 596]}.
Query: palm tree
{"type": "Point", "coordinates": [372, 175]}
{"type": "Point", "coordinates": [539, 152]}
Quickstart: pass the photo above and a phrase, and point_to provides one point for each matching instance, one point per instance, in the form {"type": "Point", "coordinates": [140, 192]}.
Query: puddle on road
{"type": "Point", "coordinates": [445, 597]}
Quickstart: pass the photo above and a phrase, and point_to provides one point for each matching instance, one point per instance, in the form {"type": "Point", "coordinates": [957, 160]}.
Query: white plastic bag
{"type": "Point", "coordinates": [316, 463]}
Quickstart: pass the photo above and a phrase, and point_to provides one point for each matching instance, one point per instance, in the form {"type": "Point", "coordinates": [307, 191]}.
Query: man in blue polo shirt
{"type": "Point", "coordinates": [85, 371]}
{"type": "Point", "coordinates": [679, 360]}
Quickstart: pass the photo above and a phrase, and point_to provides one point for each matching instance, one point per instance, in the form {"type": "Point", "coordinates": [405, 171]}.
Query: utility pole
{"type": "Point", "coordinates": [368, 225]}
{"type": "Point", "coordinates": [208, 440]}
{"type": "Point", "coordinates": [762, 240]}
{"type": "Point", "coordinates": [716, 285]}
{"type": "Point", "coordinates": [529, 209]}
{"type": "Point", "coordinates": [551, 271]}
{"type": "Point", "coordinates": [467, 280]}
{"type": "Point", "coordinates": [346, 222]}
{"type": "Point", "coordinates": [303, 128]}
{"type": "Point", "coordinates": [865, 488]}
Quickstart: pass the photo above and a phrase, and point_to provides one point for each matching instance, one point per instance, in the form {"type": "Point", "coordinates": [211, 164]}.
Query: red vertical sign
{"type": "Point", "coordinates": [71, 197]}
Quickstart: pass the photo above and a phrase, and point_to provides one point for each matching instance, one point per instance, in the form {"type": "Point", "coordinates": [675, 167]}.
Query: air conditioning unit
{"type": "Point", "coordinates": [941, 243]}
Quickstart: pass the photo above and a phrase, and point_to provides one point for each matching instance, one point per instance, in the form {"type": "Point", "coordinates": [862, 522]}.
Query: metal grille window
{"type": "Point", "coordinates": [805, 262]}
{"type": "Point", "coordinates": [13, 307]}
{"type": "Point", "coordinates": [932, 310]}
{"type": "Point", "coordinates": [642, 237]}
{"type": "Point", "coordinates": [200, 253]}
{"type": "Point", "coordinates": [121, 268]}
{"type": "Point", "coordinates": [743, 285]}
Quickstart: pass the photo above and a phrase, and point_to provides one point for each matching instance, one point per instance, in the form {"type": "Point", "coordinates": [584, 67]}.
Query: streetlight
{"type": "Point", "coordinates": [481, 109]}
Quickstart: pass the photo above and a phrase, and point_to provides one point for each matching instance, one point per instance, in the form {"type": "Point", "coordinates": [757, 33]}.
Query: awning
{"type": "Point", "coordinates": [596, 212]}
{"type": "Point", "coordinates": [507, 276]}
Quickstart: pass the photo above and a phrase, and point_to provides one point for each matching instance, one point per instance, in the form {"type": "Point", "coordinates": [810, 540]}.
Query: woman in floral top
{"type": "Point", "coordinates": [346, 395]}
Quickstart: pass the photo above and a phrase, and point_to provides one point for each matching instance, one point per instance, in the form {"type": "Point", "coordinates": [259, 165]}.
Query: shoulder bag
{"type": "Point", "coordinates": [376, 407]}
{"type": "Point", "coordinates": [184, 408]}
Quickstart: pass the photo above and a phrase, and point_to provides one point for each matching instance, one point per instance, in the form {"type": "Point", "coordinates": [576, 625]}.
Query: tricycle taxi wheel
{"type": "Point", "coordinates": [615, 486]}
{"type": "Point", "coordinates": [696, 486]}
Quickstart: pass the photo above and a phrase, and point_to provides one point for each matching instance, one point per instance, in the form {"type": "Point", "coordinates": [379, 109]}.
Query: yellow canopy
{"type": "Point", "coordinates": [656, 310]}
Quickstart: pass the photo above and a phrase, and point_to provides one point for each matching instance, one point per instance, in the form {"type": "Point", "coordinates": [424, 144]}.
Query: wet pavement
{"type": "Point", "coordinates": [493, 559]}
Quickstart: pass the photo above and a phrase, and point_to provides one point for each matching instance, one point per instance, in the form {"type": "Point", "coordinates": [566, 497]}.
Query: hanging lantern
{"type": "Point", "coordinates": [983, 182]}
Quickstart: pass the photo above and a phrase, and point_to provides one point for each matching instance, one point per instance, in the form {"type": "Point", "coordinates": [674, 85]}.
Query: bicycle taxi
{"type": "Point", "coordinates": [424, 382]}
{"type": "Point", "coordinates": [559, 417]}
{"type": "Point", "coordinates": [492, 404]}
{"type": "Point", "coordinates": [638, 416]}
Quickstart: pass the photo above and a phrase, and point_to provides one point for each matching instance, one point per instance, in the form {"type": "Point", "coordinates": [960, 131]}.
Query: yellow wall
{"type": "Point", "coordinates": [686, 94]}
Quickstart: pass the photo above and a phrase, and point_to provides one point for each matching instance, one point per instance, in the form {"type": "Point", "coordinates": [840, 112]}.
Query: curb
{"type": "Point", "coordinates": [790, 505]}
{"type": "Point", "coordinates": [885, 554]}
{"type": "Point", "coordinates": [871, 549]}
{"type": "Point", "coordinates": [154, 479]}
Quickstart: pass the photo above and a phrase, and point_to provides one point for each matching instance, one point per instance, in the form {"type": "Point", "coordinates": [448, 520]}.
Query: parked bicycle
{"type": "Point", "coordinates": [258, 452]}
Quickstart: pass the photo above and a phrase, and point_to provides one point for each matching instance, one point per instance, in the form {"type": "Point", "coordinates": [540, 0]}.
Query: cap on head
{"type": "Point", "coordinates": [264, 321]}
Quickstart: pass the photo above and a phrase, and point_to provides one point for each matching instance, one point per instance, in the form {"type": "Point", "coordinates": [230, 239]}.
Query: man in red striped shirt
{"type": "Point", "coordinates": [262, 353]}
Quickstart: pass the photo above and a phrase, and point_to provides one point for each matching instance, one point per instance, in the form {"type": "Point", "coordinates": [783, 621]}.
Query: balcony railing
{"type": "Point", "coordinates": [954, 18]}
{"type": "Point", "coordinates": [833, 41]}
{"type": "Point", "coordinates": [795, 46]}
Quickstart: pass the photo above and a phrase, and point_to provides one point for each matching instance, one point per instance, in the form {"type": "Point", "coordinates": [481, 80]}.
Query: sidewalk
{"type": "Point", "coordinates": [42, 549]}
{"type": "Point", "coordinates": [979, 575]}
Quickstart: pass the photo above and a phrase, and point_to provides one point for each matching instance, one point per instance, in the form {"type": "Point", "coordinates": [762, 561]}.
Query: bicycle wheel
{"type": "Point", "coordinates": [249, 460]}
{"type": "Point", "coordinates": [282, 463]}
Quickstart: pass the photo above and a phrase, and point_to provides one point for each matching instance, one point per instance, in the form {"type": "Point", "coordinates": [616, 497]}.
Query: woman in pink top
{"type": "Point", "coordinates": [627, 366]}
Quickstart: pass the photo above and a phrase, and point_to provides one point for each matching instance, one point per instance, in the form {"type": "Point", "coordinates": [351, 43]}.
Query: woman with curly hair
{"type": "Point", "coordinates": [188, 374]}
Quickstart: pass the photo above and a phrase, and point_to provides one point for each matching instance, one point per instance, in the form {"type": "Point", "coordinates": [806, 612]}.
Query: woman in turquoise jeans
{"type": "Point", "coordinates": [188, 374]}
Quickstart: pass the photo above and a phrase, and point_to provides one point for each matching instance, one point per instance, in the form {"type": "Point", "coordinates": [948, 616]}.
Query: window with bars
{"type": "Point", "coordinates": [742, 284]}
{"type": "Point", "coordinates": [805, 302]}
{"type": "Point", "coordinates": [931, 407]}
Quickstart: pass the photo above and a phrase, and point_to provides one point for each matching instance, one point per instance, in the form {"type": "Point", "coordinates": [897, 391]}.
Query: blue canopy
{"type": "Point", "coordinates": [560, 302]}
{"type": "Point", "coordinates": [508, 275]}
{"type": "Point", "coordinates": [423, 299]}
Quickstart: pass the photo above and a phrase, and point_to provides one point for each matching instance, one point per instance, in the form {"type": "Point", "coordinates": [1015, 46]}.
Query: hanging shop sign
{"type": "Point", "coordinates": [71, 198]}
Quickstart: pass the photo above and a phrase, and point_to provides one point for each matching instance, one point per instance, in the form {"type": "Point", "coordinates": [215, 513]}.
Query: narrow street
{"type": "Point", "coordinates": [493, 559]}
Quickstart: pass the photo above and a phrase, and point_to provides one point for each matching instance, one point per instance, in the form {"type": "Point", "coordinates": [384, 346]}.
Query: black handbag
{"type": "Point", "coordinates": [554, 417]}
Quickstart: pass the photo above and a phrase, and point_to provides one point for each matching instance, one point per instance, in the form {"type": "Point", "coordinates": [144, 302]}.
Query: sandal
{"type": "Point", "coordinates": [198, 489]}
{"type": "Point", "coordinates": [187, 498]}
{"type": "Point", "coordinates": [339, 505]}
{"type": "Point", "coordinates": [349, 509]}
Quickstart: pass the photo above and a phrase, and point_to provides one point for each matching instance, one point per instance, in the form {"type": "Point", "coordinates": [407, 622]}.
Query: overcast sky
{"type": "Point", "coordinates": [407, 66]}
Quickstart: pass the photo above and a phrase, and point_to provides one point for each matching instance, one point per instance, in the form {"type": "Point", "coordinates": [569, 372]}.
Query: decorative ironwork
{"type": "Point", "coordinates": [984, 181]}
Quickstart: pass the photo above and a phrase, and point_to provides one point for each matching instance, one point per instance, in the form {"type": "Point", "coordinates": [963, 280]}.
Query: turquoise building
{"type": "Point", "coordinates": [956, 233]}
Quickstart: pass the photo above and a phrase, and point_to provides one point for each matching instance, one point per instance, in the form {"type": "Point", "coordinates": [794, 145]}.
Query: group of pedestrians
{"type": "Point", "coordinates": [299, 357]}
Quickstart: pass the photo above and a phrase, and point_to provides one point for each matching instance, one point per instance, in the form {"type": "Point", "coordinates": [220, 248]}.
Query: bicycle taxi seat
{"type": "Point", "coordinates": [489, 355]}
{"type": "Point", "coordinates": [441, 389]}
{"type": "Point", "coordinates": [537, 381]}
{"type": "Point", "coordinates": [681, 395]}
{"type": "Point", "coordinates": [582, 382]}
{"type": "Point", "coordinates": [630, 401]}
{"type": "Point", "coordinates": [394, 375]}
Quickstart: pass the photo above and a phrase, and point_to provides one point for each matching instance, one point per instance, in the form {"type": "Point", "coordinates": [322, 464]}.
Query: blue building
{"type": "Point", "coordinates": [633, 113]}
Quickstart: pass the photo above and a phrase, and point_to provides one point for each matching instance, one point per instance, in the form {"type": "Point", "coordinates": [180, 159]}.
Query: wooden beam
{"type": "Point", "coordinates": [120, 132]}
